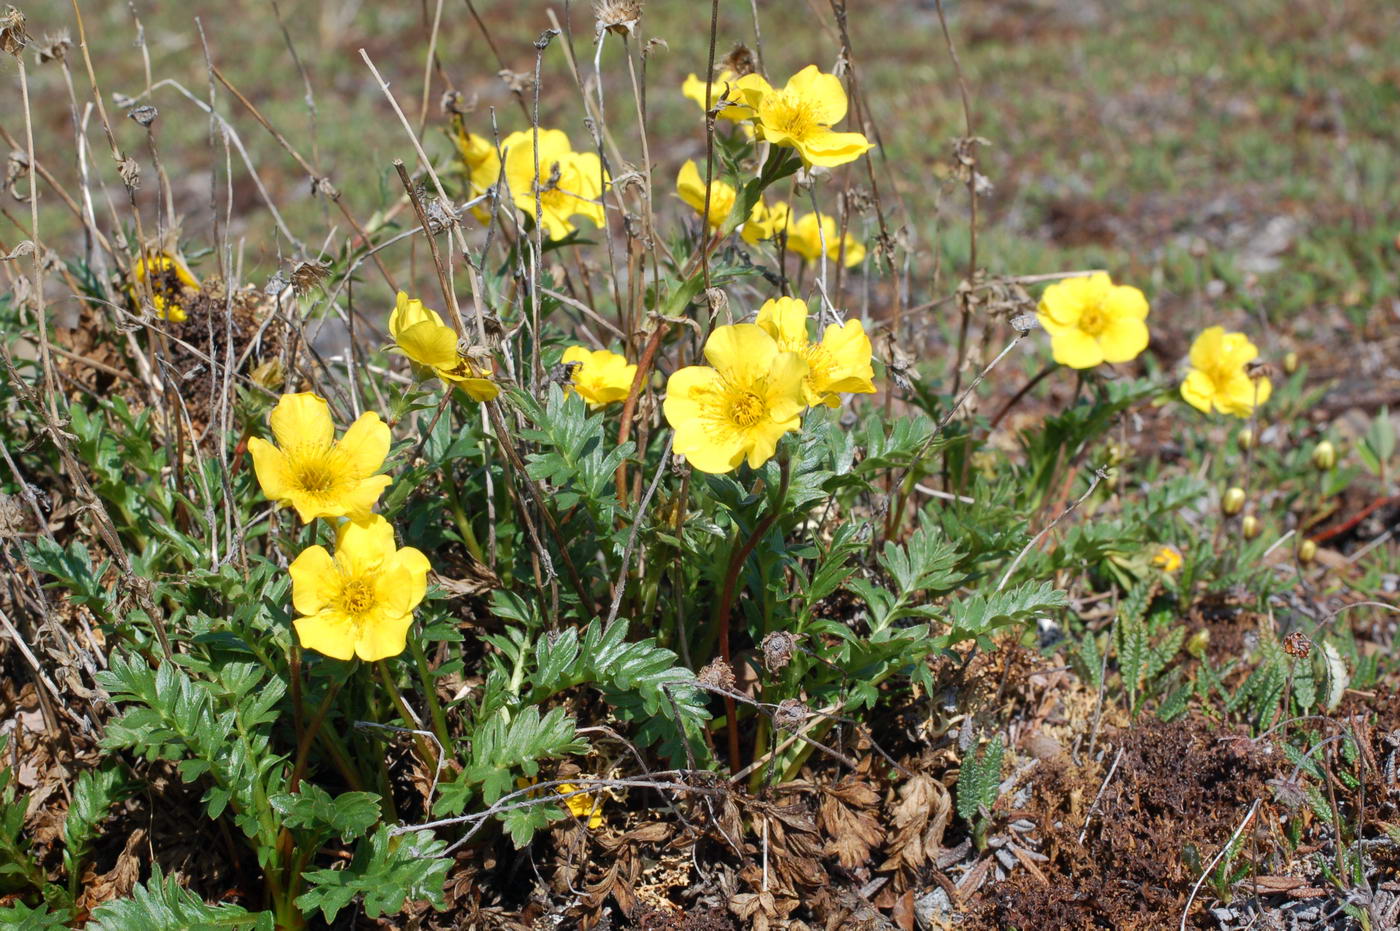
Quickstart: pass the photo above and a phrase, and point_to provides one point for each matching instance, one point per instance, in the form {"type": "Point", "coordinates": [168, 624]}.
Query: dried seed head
{"type": "Point", "coordinates": [145, 114]}
{"type": "Point", "coordinates": [55, 47]}
{"type": "Point", "coordinates": [617, 16]}
{"type": "Point", "coordinates": [719, 303]}
{"type": "Point", "coordinates": [1307, 552]}
{"type": "Point", "coordinates": [717, 675]}
{"type": "Point", "coordinates": [1232, 502]}
{"type": "Point", "coordinates": [1297, 644]}
{"type": "Point", "coordinates": [13, 38]}
{"type": "Point", "coordinates": [777, 650]}
{"type": "Point", "coordinates": [740, 60]}
{"type": "Point", "coordinates": [1250, 527]}
{"type": "Point", "coordinates": [307, 275]}
{"type": "Point", "coordinates": [1324, 456]}
{"type": "Point", "coordinates": [790, 714]}
{"type": "Point", "coordinates": [1257, 368]}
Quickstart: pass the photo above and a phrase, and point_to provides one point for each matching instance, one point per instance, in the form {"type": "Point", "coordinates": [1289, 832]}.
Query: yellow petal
{"type": "Point", "coordinates": [1205, 350]}
{"type": "Point", "coordinates": [403, 581]}
{"type": "Point", "coordinates": [316, 582]}
{"type": "Point", "coordinates": [382, 636]}
{"type": "Point", "coordinates": [329, 632]}
{"type": "Point", "coordinates": [691, 394]}
{"type": "Point", "coordinates": [829, 149]}
{"type": "Point", "coordinates": [784, 394]}
{"type": "Point", "coordinates": [785, 319]}
{"type": "Point", "coordinates": [302, 420]}
{"type": "Point", "coordinates": [363, 546]}
{"type": "Point", "coordinates": [429, 344]}
{"type": "Point", "coordinates": [742, 352]}
{"type": "Point", "coordinates": [1125, 301]}
{"type": "Point", "coordinates": [365, 445]}
{"type": "Point", "coordinates": [1198, 390]}
{"type": "Point", "coordinates": [1076, 349]}
{"type": "Point", "coordinates": [851, 353]}
{"type": "Point", "coordinates": [270, 466]}
{"type": "Point", "coordinates": [821, 93]}
{"type": "Point", "coordinates": [1123, 339]}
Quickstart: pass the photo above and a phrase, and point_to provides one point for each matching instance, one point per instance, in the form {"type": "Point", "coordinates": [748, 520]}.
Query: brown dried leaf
{"type": "Point", "coordinates": [849, 821]}
{"type": "Point", "coordinates": [919, 819]}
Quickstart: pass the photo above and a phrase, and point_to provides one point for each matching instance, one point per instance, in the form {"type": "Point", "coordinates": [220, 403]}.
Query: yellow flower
{"type": "Point", "coordinates": [601, 377]}
{"type": "Point", "coordinates": [309, 469]}
{"type": "Point", "coordinates": [1092, 320]}
{"type": "Point", "coordinates": [571, 183]}
{"type": "Point", "coordinates": [691, 188]}
{"type": "Point", "coordinates": [481, 163]}
{"type": "Point", "coordinates": [359, 603]}
{"type": "Point", "coordinates": [839, 364]}
{"type": "Point", "coordinates": [589, 805]}
{"type": "Point", "coordinates": [765, 222]}
{"type": "Point", "coordinates": [806, 235]}
{"type": "Point", "coordinates": [725, 89]}
{"type": "Point", "coordinates": [1168, 559]}
{"type": "Point", "coordinates": [739, 408]}
{"type": "Point", "coordinates": [800, 116]}
{"type": "Point", "coordinates": [420, 334]}
{"type": "Point", "coordinates": [1219, 377]}
{"type": "Point", "coordinates": [166, 277]}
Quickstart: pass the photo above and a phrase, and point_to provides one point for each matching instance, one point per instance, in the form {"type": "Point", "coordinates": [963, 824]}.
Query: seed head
{"type": "Point", "coordinates": [790, 714]}
{"type": "Point", "coordinates": [1232, 502]}
{"type": "Point", "coordinates": [716, 675]}
{"type": "Point", "coordinates": [618, 16]}
{"type": "Point", "coordinates": [1297, 644]}
{"type": "Point", "coordinates": [740, 60]}
{"type": "Point", "coordinates": [13, 38]}
{"type": "Point", "coordinates": [777, 650]}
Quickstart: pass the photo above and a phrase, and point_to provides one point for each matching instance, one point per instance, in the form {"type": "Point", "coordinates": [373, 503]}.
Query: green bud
{"type": "Point", "coordinates": [1324, 456]}
{"type": "Point", "coordinates": [1245, 438]}
{"type": "Point", "coordinates": [1250, 527]}
{"type": "Point", "coordinates": [1307, 552]}
{"type": "Point", "coordinates": [1233, 502]}
{"type": "Point", "coordinates": [1290, 363]}
{"type": "Point", "coordinates": [1196, 646]}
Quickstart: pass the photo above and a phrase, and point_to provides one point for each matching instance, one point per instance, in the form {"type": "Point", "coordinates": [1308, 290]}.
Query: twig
{"type": "Point", "coordinates": [1211, 865]}
{"type": "Point", "coordinates": [1117, 757]}
{"type": "Point", "coordinates": [1099, 475]}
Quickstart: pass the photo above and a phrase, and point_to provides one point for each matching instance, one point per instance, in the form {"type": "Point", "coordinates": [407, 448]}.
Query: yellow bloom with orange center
{"type": "Point", "coordinates": [584, 805]}
{"type": "Point", "coordinates": [801, 114]}
{"type": "Point", "coordinates": [481, 163]}
{"type": "Point", "coordinates": [314, 472]}
{"type": "Point", "coordinates": [166, 278]}
{"type": "Point", "coordinates": [690, 187]}
{"type": "Point", "coordinates": [1091, 320]}
{"type": "Point", "coordinates": [1219, 378]}
{"type": "Point", "coordinates": [739, 405]}
{"type": "Point", "coordinates": [570, 183]}
{"type": "Point", "coordinates": [724, 89]}
{"type": "Point", "coordinates": [359, 602]}
{"type": "Point", "coordinates": [808, 233]}
{"type": "Point", "coordinates": [600, 377]}
{"type": "Point", "coordinates": [419, 333]}
{"type": "Point", "coordinates": [765, 222]}
{"type": "Point", "coordinates": [839, 364]}
{"type": "Point", "coordinates": [1168, 559]}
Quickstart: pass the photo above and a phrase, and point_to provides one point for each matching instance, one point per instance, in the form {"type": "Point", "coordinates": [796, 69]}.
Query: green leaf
{"type": "Point", "coordinates": [979, 779]}
{"type": "Point", "coordinates": [385, 871]}
{"type": "Point", "coordinates": [161, 904]}
{"type": "Point", "coordinates": [973, 617]}
{"type": "Point", "coordinates": [349, 815]}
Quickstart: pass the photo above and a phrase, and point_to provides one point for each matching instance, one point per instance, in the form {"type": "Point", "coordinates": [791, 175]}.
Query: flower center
{"type": "Point", "coordinates": [315, 477]}
{"type": "Point", "coordinates": [790, 114]}
{"type": "Point", "coordinates": [746, 409]}
{"type": "Point", "coordinates": [1093, 320]}
{"type": "Point", "coordinates": [357, 597]}
{"type": "Point", "coordinates": [819, 365]}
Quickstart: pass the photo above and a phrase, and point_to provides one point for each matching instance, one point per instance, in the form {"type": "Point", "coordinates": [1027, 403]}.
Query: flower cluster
{"type": "Point", "coordinates": [168, 279]}
{"type": "Point", "coordinates": [360, 601]}
{"type": "Point", "coordinates": [760, 378]}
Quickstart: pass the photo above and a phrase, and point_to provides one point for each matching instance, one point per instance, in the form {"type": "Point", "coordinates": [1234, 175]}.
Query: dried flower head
{"type": "Point", "coordinates": [790, 714]}
{"type": "Point", "coordinates": [777, 650]}
{"type": "Point", "coordinates": [13, 38]}
{"type": "Point", "coordinates": [740, 60]}
{"type": "Point", "coordinates": [1297, 644]}
{"type": "Point", "coordinates": [617, 16]}
{"type": "Point", "coordinates": [717, 675]}
{"type": "Point", "coordinates": [55, 47]}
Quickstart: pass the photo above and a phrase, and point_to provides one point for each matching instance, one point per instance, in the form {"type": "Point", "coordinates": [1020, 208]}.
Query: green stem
{"type": "Point", "coordinates": [425, 679]}
{"type": "Point", "coordinates": [459, 516]}
{"type": "Point", "coordinates": [428, 754]}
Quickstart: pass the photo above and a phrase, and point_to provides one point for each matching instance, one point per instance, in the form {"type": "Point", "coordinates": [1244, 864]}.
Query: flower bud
{"type": "Point", "coordinates": [1196, 646]}
{"type": "Point", "coordinates": [1233, 502]}
{"type": "Point", "coordinates": [1250, 527]}
{"type": "Point", "coordinates": [1324, 456]}
{"type": "Point", "coordinates": [1245, 438]}
{"type": "Point", "coordinates": [1307, 552]}
{"type": "Point", "coordinates": [1290, 363]}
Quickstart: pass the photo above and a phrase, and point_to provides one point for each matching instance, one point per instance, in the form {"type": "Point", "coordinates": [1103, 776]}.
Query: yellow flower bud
{"type": "Point", "coordinates": [1233, 502]}
{"type": "Point", "coordinates": [1196, 646]}
{"type": "Point", "coordinates": [1324, 456]}
{"type": "Point", "coordinates": [1245, 438]}
{"type": "Point", "coordinates": [1290, 363]}
{"type": "Point", "coordinates": [1250, 527]}
{"type": "Point", "coordinates": [1307, 552]}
